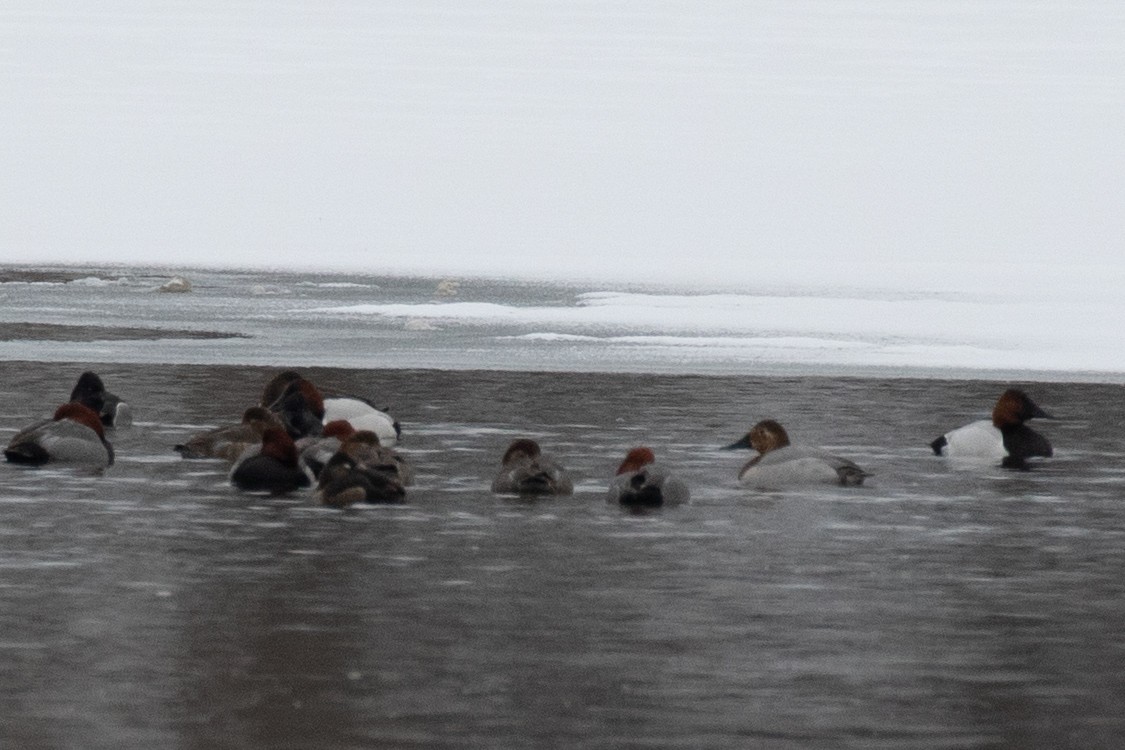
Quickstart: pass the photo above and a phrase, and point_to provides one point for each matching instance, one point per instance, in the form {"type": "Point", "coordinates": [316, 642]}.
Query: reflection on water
{"type": "Point", "coordinates": [934, 608]}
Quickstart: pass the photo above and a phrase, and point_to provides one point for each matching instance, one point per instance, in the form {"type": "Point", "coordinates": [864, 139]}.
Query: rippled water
{"type": "Point", "coordinates": [155, 606]}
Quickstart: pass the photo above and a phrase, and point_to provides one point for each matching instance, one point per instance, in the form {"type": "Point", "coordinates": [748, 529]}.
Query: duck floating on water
{"type": "Point", "coordinates": [229, 442]}
{"type": "Point", "coordinates": [345, 481]}
{"type": "Point", "coordinates": [74, 435]}
{"type": "Point", "coordinates": [305, 409]}
{"type": "Point", "coordinates": [1004, 438]}
{"type": "Point", "coordinates": [111, 410]}
{"type": "Point", "coordinates": [526, 470]}
{"type": "Point", "coordinates": [781, 464]}
{"type": "Point", "coordinates": [642, 483]}
{"type": "Point", "coordinates": [364, 471]}
{"type": "Point", "coordinates": [272, 467]}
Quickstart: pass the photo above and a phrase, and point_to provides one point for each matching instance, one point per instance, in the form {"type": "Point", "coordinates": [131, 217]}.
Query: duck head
{"type": "Point", "coordinates": [277, 385]}
{"type": "Point", "coordinates": [636, 459]}
{"type": "Point", "coordinates": [89, 386]}
{"type": "Point", "coordinates": [765, 436]}
{"type": "Point", "coordinates": [341, 429]}
{"type": "Point", "coordinates": [300, 408]}
{"type": "Point", "coordinates": [277, 444]}
{"type": "Point", "coordinates": [1014, 407]}
{"type": "Point", "coordinates": [524, 447]}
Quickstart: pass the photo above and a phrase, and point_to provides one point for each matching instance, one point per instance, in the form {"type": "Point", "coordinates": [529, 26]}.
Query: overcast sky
{"type": "Point", "coordinates": [635, 140]}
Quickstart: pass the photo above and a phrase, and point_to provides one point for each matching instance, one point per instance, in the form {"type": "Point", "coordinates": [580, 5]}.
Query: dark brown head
{"type": "Point", "coordinates": [89, 384]}
{"type": "Point", "coordinates": [277, 385]}
{"type": "Point", "coordinates": [1014, 408]}
{"type": "Point", "coordinates": [522, 447]}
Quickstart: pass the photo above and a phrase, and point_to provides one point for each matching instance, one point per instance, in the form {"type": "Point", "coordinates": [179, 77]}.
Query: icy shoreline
{"type": "Point", "coordinates": [1065, 330]}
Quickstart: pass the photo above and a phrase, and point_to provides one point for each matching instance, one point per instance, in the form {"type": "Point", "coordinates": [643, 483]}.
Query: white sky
{"type": "Point", "coordinates": [683, 140]}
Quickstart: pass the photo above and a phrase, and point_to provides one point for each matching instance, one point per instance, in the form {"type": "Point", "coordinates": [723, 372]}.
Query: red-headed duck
{"type": "Point", "coordinates": [300, 412]}
{"type": "Point", "coordinates": [299, 408]}
{"type": "Point", "coordinates": [316, 452]}
{"type": "Point", "coordinates": [272, 468]}
{"type": "Point", "coordinates": [780, 464]}
{"type": "Point", "coordinates": [526, 470]}
{"type": "Point", "coordinates": [230, 442]}
{"type": "Point", "coordinates": [74, 434]}
{"type": "Point", "coordinates": [362, 415]}
{"type": "Point", "coordinates": [1004, 438]}
{"type": "Point", "coordinates": [642, 483]}
{"type": "Point", "coordinates": [90, 391]}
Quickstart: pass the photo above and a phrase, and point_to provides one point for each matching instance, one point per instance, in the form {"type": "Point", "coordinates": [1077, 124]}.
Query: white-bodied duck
{"type": "Point", "coordinates": [74, 435]}
{"type": "Point", "coordinates": [780, 464]}
{"type": "Point", "coordinates": [642, 483]}
{"type": "Point", "coordinates": [1004, 438]}
{"type": "Point", "coordinates": [302, 407]}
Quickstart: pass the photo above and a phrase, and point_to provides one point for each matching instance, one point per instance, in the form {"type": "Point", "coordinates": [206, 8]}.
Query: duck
{"type": "Point", "coordinates": [526, 470]}
{"type": "Point", "coordinates": [299, 406]}
{"type": "Point", "coordinates": [230, 441]}
{"type": "Point", "coordinates": [364, 448]}
{"type": "Point", "coordinates": [1004, 438]}
{"type": "Point", "coordinates": [315, 406]}
{"type": "Point", "coordinates": [363, 415]}
{"type": "Point", "coordinates": [111, 410]}
{"type": "Point", "coordinates": [345, 481]}
{"type": "Point", "coordinates": [74, 434]}
{"type": "Point", "coordinates": [276, 386]}
{"type": "Point", "coordinates": [640, 482]}
{"type": "Point", "coordinates": [314, 453]}
{"type": "Point", "coordinates": [781, 464]}
{"type": "Point", "coordinates": [270, 467]}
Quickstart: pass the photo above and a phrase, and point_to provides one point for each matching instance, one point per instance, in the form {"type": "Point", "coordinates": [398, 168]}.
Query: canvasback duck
{"type": "Point", "coordinates": [362, 415]}
{"type": "Point", "coordinates": [345, 481]}
{"type": "Point", "coordinates": [277, 385]}
{"type": "Point", "coordinates": [229, 442]}
{"type": "Point", "coordinates": [526, 470]}
{"type": "Point", "coordinates": [272, 468]}
{"type": "Point", "coordinates": [278, 395]}
{"type": "Point", "coordinates": [1004, 438]}
{"type": "Point", "coordinates": [299, 408]}
{"type": "Point", "coordinates": [781, 464]}
{"type": "Point", "coordinates": [90, 391]}
{"type": "Point", "coordinates": [75, 434]}
{"type": "Point", "coordinates": [642, 483]}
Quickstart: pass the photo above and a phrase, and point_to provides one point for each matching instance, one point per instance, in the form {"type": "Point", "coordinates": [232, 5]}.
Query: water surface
{"type": "Point", "coordinates": [155, 606]}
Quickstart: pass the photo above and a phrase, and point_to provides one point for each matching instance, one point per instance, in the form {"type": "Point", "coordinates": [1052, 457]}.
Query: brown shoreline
{"type": "Point", "coordinates": [39, 276]}
{"type": "Point", "coordinates": [61, 332]}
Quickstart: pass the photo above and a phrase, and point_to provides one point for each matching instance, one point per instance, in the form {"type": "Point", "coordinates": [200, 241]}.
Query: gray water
{"type": "Point", "coordinates": [154, 606]}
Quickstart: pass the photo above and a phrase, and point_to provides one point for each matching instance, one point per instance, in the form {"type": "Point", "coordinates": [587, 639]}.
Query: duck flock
{"type": "Point", "coordinates": [298, 437]}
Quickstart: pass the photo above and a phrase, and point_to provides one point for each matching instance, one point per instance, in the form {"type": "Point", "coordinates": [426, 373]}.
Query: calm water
{"type": "Point", "coordinates": [154, 606]}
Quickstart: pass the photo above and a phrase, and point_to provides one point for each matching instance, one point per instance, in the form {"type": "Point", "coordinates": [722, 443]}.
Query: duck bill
{"type": "Point", "coordinates": [1037, 413]}
{"type": "Point", "coordinates": [744, 442]}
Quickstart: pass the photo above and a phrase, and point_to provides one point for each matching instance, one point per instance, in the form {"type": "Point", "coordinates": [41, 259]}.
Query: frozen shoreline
{"type": "Point", "coordinates": [1064, 331]}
